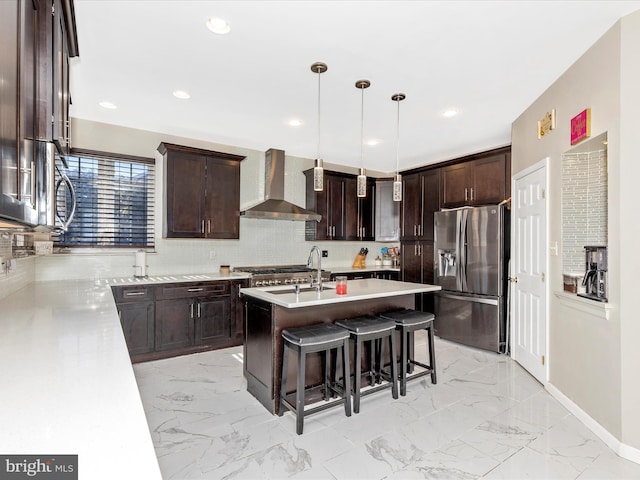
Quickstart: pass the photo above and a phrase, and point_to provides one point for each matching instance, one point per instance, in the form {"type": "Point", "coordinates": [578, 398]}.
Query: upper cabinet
{"type": "Point", "coordinates": [481, 181]}
{"type": "Point", "coordinates": [202, 193]}
{"type": "Point", "coordinates": [420, 200]}
{"type": "Point", "coordinates": [387, 212]}
{"type": "Point", "coordinates": [344, 215]}
{"type": "Point", "coordinates": [37, 39]}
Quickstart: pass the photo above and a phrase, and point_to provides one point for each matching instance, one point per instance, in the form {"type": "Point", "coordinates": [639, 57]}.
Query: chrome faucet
{"type": "Point", "coordinates": [310, 262]}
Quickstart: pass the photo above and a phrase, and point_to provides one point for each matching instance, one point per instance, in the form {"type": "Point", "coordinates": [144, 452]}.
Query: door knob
{"type": "Point", "coordinates": [513, 279]}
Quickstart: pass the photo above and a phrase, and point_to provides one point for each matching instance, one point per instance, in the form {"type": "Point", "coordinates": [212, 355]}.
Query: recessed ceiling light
{"type": "Point", "coordinates": [109, 105]}
{"type": "Point", "coordinates": [372, 142]}
{"type": "Point", "coordinates": [181, 94]}
{"type": "Point", "coordinates": [218, 25]}
{"type": "Point", "coordinates": [449, 113]}
{"type": "Point", "coordinates": [295, 122]}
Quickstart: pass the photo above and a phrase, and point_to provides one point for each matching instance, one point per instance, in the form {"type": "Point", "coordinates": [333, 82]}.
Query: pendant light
{"type": "Point", "coordinates": [361, 186]}
{"type": "Point", "coordinates": [397, 181]}
{"type": "Point", "coordinates": [318, 171]}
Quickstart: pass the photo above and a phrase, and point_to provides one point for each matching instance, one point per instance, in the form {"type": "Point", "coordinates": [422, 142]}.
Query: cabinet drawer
{"type": "Point", "coordinates": [133, 293]}
{"type": "Point", "coordinates": [190, 290]}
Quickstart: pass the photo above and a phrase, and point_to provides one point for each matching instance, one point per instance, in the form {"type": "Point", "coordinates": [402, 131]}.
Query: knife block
{"type": "Point", "coordinates": [359, 261]}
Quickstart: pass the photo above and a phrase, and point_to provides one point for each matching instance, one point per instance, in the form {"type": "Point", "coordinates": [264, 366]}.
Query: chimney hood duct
{"type": "Point", "coordinates": [274, 205]}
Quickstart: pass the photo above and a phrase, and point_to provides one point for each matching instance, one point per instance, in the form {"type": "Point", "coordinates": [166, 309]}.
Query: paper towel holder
{"type": "Point", "coordinates": [140, 267]}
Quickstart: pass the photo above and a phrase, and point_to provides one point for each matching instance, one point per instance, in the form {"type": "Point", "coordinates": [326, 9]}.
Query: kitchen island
{"type": "Point", "coordinates": [269, 310]}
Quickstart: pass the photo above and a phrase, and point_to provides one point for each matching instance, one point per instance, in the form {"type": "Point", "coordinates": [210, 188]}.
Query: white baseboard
{"type": "Point", "coordinates": [624, 450]}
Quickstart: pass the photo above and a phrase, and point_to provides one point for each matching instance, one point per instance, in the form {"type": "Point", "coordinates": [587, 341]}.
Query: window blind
{"type": "Point", "coordinates": [115, 198]}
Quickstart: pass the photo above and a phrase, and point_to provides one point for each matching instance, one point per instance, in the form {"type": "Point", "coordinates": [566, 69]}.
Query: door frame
{"type": "Point", "coordinates": [544, 163]}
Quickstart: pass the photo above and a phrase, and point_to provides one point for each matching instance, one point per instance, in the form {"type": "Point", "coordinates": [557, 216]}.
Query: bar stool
{"type": "Point", "coordinates": [407, 322]}
{"type": "Point", "coordinates": [371, 329]}
{"type": "Point", "coordinates": [314, 338]}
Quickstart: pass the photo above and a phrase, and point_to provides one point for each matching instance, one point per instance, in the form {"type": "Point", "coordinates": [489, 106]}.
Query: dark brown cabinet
{"type": "Point", "coordinates": [344, 215]}
{"type": "Point", "coordinates": [136, 309]}
{"type": "Point", "coordinates": [420, 200]}
{"type": "Point", "coordinates": [482, 181]}
{"type": "Point", "coordinates": [165, 320]}
{"type": "Point", "coordinates": [202, 193]}
{"type": "Point", "coordinates": [417, 266]}
{"type": "Point", "coordinates": [37, 39]}
{"type": "Point", "coordinates": [330, 204]}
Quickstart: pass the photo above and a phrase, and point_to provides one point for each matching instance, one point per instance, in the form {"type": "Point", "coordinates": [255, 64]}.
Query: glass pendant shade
{"type": "Point", "coordinates": [397, 188]}
{"type": "Point", "coordinates": [318, 176]}
{"type": "Point", "coordinates": [361, 186]}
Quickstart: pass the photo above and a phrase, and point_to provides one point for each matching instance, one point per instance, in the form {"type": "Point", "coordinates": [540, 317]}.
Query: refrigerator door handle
{"type": "Point", "coordinates": [486, 301]}
{"type": "Point", "coordinates": [462, 273]}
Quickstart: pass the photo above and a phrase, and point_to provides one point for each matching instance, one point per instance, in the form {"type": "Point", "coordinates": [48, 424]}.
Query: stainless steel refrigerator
{"type": "Point", "coordinates": [471, 253]}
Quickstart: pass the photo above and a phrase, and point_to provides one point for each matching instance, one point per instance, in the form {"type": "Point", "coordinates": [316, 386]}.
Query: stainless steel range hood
{"type": "Point", "coordinates": [274, 205]}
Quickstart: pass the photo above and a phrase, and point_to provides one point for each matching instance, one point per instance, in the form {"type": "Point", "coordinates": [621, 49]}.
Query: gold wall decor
{"type": "Point", "coordinates": [547, 124]}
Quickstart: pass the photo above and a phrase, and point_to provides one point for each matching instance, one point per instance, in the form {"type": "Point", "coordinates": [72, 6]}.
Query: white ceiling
{"type": "Point", "coordinates": [488, 59]}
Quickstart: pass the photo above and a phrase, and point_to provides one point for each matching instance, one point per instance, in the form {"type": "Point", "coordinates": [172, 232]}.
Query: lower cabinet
{"type": "Point", "coordinates": [137, 319]}
{"type": "Point", "coordinates": [165, 320]}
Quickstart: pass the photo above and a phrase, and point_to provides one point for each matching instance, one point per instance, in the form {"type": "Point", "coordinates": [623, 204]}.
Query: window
{"type": "Point", "coordinates": [114, 201]}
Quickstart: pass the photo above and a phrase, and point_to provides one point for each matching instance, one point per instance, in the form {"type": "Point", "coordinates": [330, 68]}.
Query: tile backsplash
{"type": "Point", "coordinates": [584, 206]}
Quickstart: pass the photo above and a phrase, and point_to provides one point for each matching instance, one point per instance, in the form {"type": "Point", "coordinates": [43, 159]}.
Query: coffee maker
{"type": "Point", "coordinates": [595, 277]}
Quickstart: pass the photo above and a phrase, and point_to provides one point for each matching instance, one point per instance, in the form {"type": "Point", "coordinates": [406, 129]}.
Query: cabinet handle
{"type": "Point", "coordinates": [420, 230]}
{"type": "Point", "coordinates": [333, 231]}
{"type": "Point", "coordinates": [202, 226]}
{"type": "Point", "coordinates": [414, 231]}
{"type": "Point", "coordinates": [195, 289]}
{"type": "Point", "coordinates": [208, 225]}
{"type": "Point", "coordinates": [134, 294]}
{"type": "Point", "coordinates": [415, 250]}
{"type": "Point", "coordinates": [465, 195]}
{"type": "Point", "coordinates": [199, 311]}
{"type": "Point", "coordinates": [472, 194]}
{"type": "Point", "coordinates": [191, 310]}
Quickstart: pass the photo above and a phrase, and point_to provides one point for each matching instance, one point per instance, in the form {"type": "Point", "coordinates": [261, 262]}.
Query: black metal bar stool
{"type": "Point", "coordinates": [374, 330]}
{"type": "Point", "coordinates": [407, 322]}
{"type": "Point", "coordinates": [314, 338]}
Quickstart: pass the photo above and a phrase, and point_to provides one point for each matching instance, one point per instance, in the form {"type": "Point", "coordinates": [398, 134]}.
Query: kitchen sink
{"type": "Point", "coordinates": [293, 290]}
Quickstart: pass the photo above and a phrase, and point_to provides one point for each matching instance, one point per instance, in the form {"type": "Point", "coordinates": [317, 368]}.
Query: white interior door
{"type": "Point", "coordinates": [528, 267]}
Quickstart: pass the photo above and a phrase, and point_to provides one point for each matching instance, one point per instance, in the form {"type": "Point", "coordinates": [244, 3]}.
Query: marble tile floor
{"type": "Point", "coordinates": [486, 418]}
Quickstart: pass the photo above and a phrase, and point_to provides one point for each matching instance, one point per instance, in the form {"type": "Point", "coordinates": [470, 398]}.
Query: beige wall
{"type": "Point", "coordinates": [262, 242]}
{"type": "Point", "coordinates": [629, 228]}
{"type": "Point", "coordinates": [593, 361]}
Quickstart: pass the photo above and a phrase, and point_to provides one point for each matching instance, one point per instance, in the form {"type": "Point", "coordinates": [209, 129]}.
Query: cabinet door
{"type": "Point", "coordinates": [387, 213]}
{"type": "Point", "coordinates": [411, 262]}
{"type": "Point", "coordinates": [411, 206]}
{"type": "Point", "coordinates": [174, 324]}
{"type": "Point", "coordinates": [455, 185]}
{"type": "Point", "coordinates": [430, 202]}
{"type": "Point", "coordinates": [9, 172]}
{"type": "Point", "coordinates": [185, 187]}
{"type": "Point", "coordinates": [138, 326]}
{"type": "Point", "coordinates": [61, 98]}
{"type": "Point", "coordinates": [489, 180]}
{"type": "Point", "coordinates": [336, 191]}
{"type": "Point", "coordinates": [213, 320]}
{"type": "Point", "coordinates": [367, 214]}
{"type": "Point", "coordinates": [351, 202]}
{"type": "Point", "coordinates": [222, 199]}
{"type": "Point", "coordinates": [316, 202]}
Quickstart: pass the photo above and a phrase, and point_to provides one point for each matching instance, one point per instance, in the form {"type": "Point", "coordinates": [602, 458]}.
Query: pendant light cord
{"type": "Point", "coordinates": [362, 127]}
{"type": "Point", "coordinates": [318, 149]}
{"type": "Point", "coordinates": [398, 138]}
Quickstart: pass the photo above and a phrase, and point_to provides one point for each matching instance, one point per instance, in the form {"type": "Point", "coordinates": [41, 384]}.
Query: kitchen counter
{"type": "Point", "coordinates": [171, 278]}
{"type": "Point", "coordinates": [269, 311]}
{"type": "Point", "coordinates": [365, 289]}
{"type": "Point", "coordinates": [68, 384]}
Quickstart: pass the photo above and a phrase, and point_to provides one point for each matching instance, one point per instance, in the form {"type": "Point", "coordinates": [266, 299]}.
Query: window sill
{"type": "Point", "coordinates": [591, 307]}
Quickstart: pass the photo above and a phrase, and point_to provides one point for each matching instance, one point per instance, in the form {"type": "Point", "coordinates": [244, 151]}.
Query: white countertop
{"type": "Point", "coordinates": [174, 278]}
{"type": "Point", "coordinates": [356, 290]}
{"type": "Point", "coordinates": [68, 386]}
